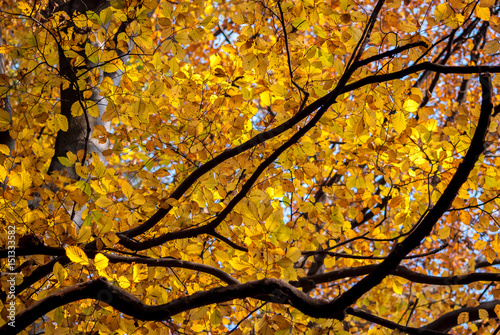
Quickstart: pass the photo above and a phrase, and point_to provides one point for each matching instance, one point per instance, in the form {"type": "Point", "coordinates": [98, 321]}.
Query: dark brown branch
{"type": "Point", "coordinates": [476, 69]}
{"type": "Point", "coordinates": [273, 290]}
{"type": "Point", "coordinates": [449, 320]}
{"type": "Point", "coordinates": [390, 324]}
{"type": "Point", "coordinates": [228, 241]}
{"type": "Point", "coordinates": [44, 270]}
{"type": "Point", "coordinates": [175, 263]}
{"type": "Point", "coordinates": [424, 228]}
{"type": "Point", "coordinates": [390, 53]}
{"type": "Point", "coordinates": [329, 100]}
{"type": "Point", "coordinates": [344, 255]}
{"type": "Point", "coordinates": [400, 271]}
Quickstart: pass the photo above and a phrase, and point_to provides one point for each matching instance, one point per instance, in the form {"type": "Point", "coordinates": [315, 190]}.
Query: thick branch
{"type": "Point", "coordinates": [273, 290]}
{"type": "Point", "coordinates": [324, 103]}
{"type": "Point", "coordinates": [449, 320]}
{"type": "Point", "coordinates": [443, 204]}
{"type": "Point", "coordinates": [328, 100]}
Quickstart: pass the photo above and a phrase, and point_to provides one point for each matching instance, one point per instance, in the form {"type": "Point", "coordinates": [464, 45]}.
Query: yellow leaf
{"type": "Point", "coordinates": [81, 171]}
{"type": "Point", "coordinates": [110, 113]}
{"type": "Point", "coordinates": [311, 170]}
{"type": "Point", "coordinates": [101, 261]}
{"type": "Point", "coordinates": [263, 327]}
{"type": "Point", "coordinates": [410, 106]}
{"type": "Point", "coordinates": [156, 88]}
{"type": "Point", "coordinates": [480, 245]}
{"type": "Point", "coordinates": [93, 109]}
{"type": "Point", "coordinates": [215, 318]}
{"type": "Point", "coordinates": [138, 199]}
{"type": "Point", "coordinates": [265, 99]}
{"type": "Point", "coordinates": [399, 122]}
{"type": "Point", "coordinates": [104, 202]}
{"type": "Point", "coordinates": [60, 122]}
{"type": "Point", "coordinates": [442, 12]}
{"type": "Point", "coordinates": [65, 161]}
{"type": "Point", "coordinates": [60, 273]}
{"type": "Point", "coordinates": [300, 23]}
{"type": "Point", "coordinates": [4, 120]}
{"type": "Point", "coordinates": [281, 321]}
{"type": "Point", "coordinates": [76, 109]}
{"type": "Point", "coordinates": [123, 282]}
{"type": "Point", "coordinates": [294, 254]}
{"type": "Point", "coordinates": [22, 180]}
{"type": "Point", "coordinates": [198, 313]}
{"type": "Point", "coordinates": [127, 190]}
{"type": "Point", "coordinates": [359, 126]}
{"type": "Point", "coordinates": [105, 15]}
{"type": "Point", "coordinates": [285, 262]}
{"type": "Point", "coordinates": [80, 21]}
{"type": "Point", "coordinates": [196, 34]}
{"type": "Point", "coordinates": [84, 234]}
{"type": "Point", "coordinates": [463, 318]}
{"type": "Point", "coordinates": [110, 239]}
{"type": "Point", "coordinates": [273, 221]}
{"type": "Point", "coordinates": [249, 62]}
{"type": "Point", "coordinates": [444, 233]}
{"type": "Point", "coordinates": [483, 13]}
{"type": "Point", "coordinates": [397, 287]}
{"type": "Point", "coordinates": [72, 157]}
{"type": "Point", "coordinates": [139, 272]}
{"type": "Point", "coordinates": [118, 4]}
{"type": "Point", "coordinates": [289, 273]}
{"type": "Point", "coordinates": [77, 255]}
{"type": "Point", "coordinates": [483, 314]}
{"type": "Point", "coordinates": [486, 3]}
{"type": "Point", "coordinates": [25, 8]}
{"type": "Point", "coordinates": [4, 149]}
{"type": "Point", "coordinates": [491, 47]}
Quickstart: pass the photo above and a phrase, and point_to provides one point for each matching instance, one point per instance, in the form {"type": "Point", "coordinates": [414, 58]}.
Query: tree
{"type": "Point", "coordinates": [268, 167]}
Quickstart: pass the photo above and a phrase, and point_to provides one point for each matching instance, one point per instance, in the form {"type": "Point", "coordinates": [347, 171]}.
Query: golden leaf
{"type": "Point", "coordinates": [75, 254]}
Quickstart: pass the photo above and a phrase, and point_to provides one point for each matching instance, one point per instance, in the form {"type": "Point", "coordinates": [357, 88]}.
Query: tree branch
{"type": "Point", "coordinates": [449, 320]}
{"type": "Point", "coordinates": [424, 228]}
{"type": "Point", "coordinates": [390, 324]}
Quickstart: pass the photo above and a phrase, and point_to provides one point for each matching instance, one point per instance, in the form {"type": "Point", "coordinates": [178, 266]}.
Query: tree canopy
{"type": "Point", "coordinates": [249, 167]}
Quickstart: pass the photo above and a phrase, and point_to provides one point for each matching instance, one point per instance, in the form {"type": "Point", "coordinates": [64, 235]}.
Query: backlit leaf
{"type": "Point", "coordinates": [399, 121]}
{"type": "Point", "coordinates": [101, 261]}
{"type": "Point", "coordinates": [75, 254]}
{"type": "Point", "coordinates": [483, 13]}
{"type": "Point", "coordinates": [21, 180]}
{"type": "Point", "coordinates": [60, 122]}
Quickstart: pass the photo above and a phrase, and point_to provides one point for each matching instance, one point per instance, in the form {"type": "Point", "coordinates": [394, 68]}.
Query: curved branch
{"type": "Point", "coordinates": [273, 290]}
{"type": "Point", "coordinates": [390, 324]}
{"type": "Point", "coordinates": [177, 263]}
{"type": "Point", "coordinates": [449, 320]}
{"type": "Point", "coordinates": [344, 255]}
{"type": "Point", "coordinates": [424, 228]}
{"type": "Point", "coordinates": [400, 271]}
{"type": "Point", "coordinates": [44, 270]}
{"type": "Point", "coordinates": [323, 103]}
{"type": "Point", "coordinates": [326, 102]}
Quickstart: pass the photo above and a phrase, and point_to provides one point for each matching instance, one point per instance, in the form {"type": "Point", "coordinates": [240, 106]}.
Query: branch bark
{"type": "Point", "coordinates": [424, 228]}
